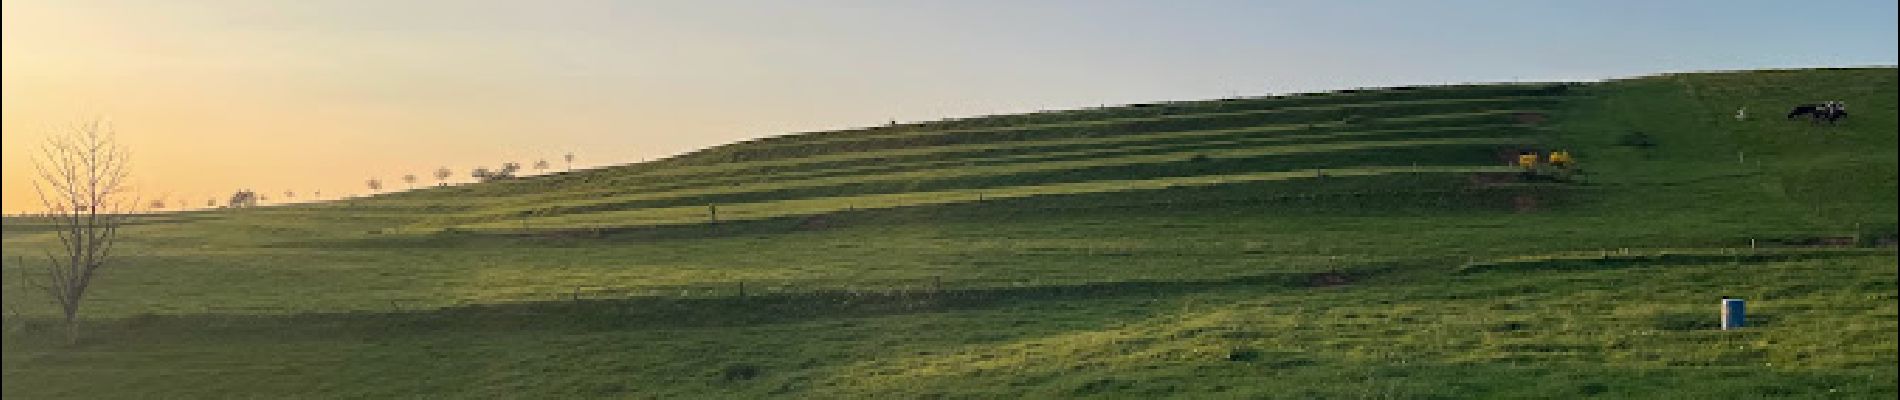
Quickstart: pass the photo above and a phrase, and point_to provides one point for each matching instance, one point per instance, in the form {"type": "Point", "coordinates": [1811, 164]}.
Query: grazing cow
{"type": "Point", "coordinates": [1805, 109]}
{"type": "Point", "coordinates": [1830, 112]}
{"type": "Point", "coordinates": [1836, 111]}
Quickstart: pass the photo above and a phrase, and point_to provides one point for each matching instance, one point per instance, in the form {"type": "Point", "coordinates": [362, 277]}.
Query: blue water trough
{"type": "Point", "coordinates": [1734, 313]}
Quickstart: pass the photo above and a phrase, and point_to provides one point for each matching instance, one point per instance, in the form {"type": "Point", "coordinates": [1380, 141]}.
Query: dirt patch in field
{"type": "Point", "coordinates": [589, 233]}
{"type": "Point", "coordinates": [1328, 279]}
{"type": "Point", "coordinates": [1508, 155]}
{"type": "Point", "coordinates": [817, 222]}
{"type": "Point", "coordinates": [1494, 178]}
{"type": "Point", "coordinates": [1816, 241]}
{"type": "Point", "coordinates": [1524, 203]}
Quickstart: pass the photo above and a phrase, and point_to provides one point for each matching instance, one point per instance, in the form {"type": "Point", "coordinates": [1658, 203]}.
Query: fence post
{"type": "Point", "coordinates": [741, 289]}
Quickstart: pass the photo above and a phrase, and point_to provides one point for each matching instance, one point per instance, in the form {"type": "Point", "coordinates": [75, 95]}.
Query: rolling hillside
{"type": "Point", "coordinates": [952, 162]}
{"type": "Point", "coordinates": [1364, 243]}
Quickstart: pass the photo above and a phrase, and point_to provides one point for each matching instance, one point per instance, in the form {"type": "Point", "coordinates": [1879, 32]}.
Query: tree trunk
{"type": "Point", "coordinates": [72, 327]}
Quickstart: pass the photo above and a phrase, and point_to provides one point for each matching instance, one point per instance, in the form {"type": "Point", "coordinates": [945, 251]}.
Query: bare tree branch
{"type": "Point", "coordinates": [83, 174]}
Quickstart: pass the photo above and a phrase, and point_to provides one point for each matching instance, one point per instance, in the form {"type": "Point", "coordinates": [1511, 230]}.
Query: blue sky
{"type": "Point", "coordinates": [281, 90]}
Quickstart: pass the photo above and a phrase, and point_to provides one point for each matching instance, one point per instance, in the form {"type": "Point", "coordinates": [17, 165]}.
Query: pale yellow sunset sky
{"type": "Point", "coordinates": [276, 95]}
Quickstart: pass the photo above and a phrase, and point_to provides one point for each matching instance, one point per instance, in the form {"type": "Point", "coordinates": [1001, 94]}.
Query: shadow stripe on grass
{"type": "Point", "coordinates": [1431, 155]}
{"type": "Point", "coordinates": [773, 209]}
{"type": "Point", "coordinates": [657, 312]}
{"type": "Point", "coordinates": [535, 191]}
{"type": "Point", "coordinates": [1047, 166]}
{"type": "Point", "coordinates": [1059, 117]}
{"type": "Point", "coordinates": [608, 176]}
{"type": "Point", "coordinates": [1676, 257]}
{"type": "Point", "coordinates": [1013, 151]}
{"type": "Point", "coordinates": [916, 173]}
{"type": "Point", "coordinates": [1162, 118]}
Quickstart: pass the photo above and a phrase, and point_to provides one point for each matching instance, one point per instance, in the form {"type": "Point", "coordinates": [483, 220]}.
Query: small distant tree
{"type": "Point", "coordinates": [442, 176]}
{"type": "Point", "coordinates": [82, 177]}
{"type": "Point", "coordinates": [410, 179]}
{"type": "Point", "coordinates": [245, 198]}
{"type": "Point", "coordinates": [374, 184]}
{"type": "Point", "coordinates": [570, 160]}
{"type": "Point", "coordinates": [209, 203]}
{"type": "Point", "coordinates": [288, 194]}
{"type": "Point", "coordinates": [540, 165]}
{"type": "Point", "coordinates": [507, 171]}
{"type": "Point", "coordinates": [157, 204]}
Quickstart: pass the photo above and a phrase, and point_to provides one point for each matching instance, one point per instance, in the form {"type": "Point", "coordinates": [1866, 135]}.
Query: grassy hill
{"type": "Point", "coordinates": [1366, 243]}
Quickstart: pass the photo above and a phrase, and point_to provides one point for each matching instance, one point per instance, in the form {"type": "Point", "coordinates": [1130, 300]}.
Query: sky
{"type": "Point", "coordinates": [308, 96]}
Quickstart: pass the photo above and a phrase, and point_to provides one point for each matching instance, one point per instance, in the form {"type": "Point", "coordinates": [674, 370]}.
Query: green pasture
{"type": "Point", "coordinates": [1362, 244]}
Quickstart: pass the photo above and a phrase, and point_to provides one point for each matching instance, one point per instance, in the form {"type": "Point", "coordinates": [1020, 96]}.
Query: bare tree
{"type": "Point", "coordinates": [410, 179]}
{"type": "Point", "coordinates": [375, 185]}
{"type": "Point", "coordinates": [442, 176]}
{"type": "Point", "coordinates": [540, 165]}
{"type": "Point", "coordinates": [570, 160]}
{"type": "Point", "coordinates": [82, 179]}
